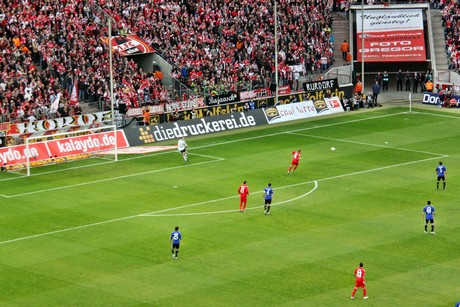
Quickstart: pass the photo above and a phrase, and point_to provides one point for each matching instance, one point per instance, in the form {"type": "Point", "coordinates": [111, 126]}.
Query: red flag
{"type": "Point", "coordinates": [74, 94]}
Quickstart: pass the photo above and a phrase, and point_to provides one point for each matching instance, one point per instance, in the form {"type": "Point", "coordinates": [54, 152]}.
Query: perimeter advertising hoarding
{"type": "Point", "coordinates": [433, 98]}
{"type": "Point", "coordinates": [303, 109]}
{"type": "Point", "coordinates": [72, 148]}
{"type": "Point", "coordinates": [391, 36]}
{"type": "Point", "coordinates": [198, 126]}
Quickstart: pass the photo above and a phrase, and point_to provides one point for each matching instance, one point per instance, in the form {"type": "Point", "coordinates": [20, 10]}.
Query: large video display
{"type": "Point", "coordinates": [391, 35]}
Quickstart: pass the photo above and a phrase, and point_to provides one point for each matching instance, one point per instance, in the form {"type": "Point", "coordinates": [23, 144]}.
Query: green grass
{"type": "Point", "coordinates": [87, 234]}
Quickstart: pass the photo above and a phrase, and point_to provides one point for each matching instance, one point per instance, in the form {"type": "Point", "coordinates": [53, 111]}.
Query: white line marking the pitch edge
{"type": "Point", "coordinates": [209, 145]}
{"type": "Point", "coordinates": [368, 144]}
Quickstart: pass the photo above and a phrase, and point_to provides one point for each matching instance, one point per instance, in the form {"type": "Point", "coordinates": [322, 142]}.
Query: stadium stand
{"type": "Point", "coordinates": [48, 46]}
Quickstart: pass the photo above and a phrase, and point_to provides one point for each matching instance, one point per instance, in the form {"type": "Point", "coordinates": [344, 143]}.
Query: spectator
{"type": "Point", "coordinates": [429, 86]}
{"type": "Point", "coordinates": [375, 93]}
{"type": "Point", "coordinates": [344, 47]}
{"type": "Point", "coordinates": [63, 39]}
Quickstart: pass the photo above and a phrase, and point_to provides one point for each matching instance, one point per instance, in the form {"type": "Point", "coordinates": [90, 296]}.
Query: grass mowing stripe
{"type": "Point", "coordinates": [368, 144]}
{"type": "Point", "coordinates": [237, 210]}
{"type": "Point", "coordinates": [112, 178]}
{"type": "Point", "coordinates": [210, 201]}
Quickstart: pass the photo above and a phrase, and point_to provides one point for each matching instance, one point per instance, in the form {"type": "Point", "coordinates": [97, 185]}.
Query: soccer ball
{"type": "Point", "coordinates": [332, 148]}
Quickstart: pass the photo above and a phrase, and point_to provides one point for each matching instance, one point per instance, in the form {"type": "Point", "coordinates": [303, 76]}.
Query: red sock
{"type": "Point", "coordinates": [353, 293]}
{"type": "Point", "coordinates": [364, 292]}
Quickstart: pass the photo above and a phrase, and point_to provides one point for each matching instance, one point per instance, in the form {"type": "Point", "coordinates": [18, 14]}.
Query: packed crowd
{"type": "Point", "coordinates": [450, 21]}
{"type": "Point", "coordinates": [48, 46]}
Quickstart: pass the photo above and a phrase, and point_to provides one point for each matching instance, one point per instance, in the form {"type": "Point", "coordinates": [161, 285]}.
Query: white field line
{"type": "Point", "coordinates": [147, 214]}
{"type": "Point", "coordinates": [207, 202]}
{"type": "Point", "coordinates": [208, 145]}
{"type": "Point", "coordinates": [216, 159]}
{"type": "Point", "coordinates": [234, 141]}
{"type": "Point", "coordinates": [433, 114]}
{"type": "Point", "coordinates": [369, 144]}
{"type": "Point", "coordinates": [177, 208]}
{"type": "Point", "coordinates": [233, 210]}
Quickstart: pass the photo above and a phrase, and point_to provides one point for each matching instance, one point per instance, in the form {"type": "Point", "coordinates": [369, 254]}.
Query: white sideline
{"type": "Point", "coordinates": [210, 145]}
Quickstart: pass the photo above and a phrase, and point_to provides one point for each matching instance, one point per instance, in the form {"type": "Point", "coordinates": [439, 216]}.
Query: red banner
{"type": "Point", "coordinates": [60, 148]}
{"type": "Point", "coordinates": [391, 36]}
{"type": "Point", "coordinates": [129, 45]}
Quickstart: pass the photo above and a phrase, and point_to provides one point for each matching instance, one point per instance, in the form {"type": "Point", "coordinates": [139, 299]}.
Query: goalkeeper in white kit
{"type": "Point", "coordinates": [182, 147]}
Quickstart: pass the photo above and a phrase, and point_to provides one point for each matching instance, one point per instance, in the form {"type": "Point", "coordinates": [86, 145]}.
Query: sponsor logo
{"type": "Point", "coordinates": [431, 99]}
{"type": "Point", "coordinates": [320, 106]}
{"type": "Point", "coordinates": [321, 85]}
{"type": "Point", "coordinates": [213, 100]}
{"type": "Point", "coordinates": [203, 126]}
{"type": "Point", "coordinates": [272, 112]}
{"type": "Point", "coordinates": [146, 136]}
{"type": "Point", "coordinates": [197, 126]}
{"type": "Point", "coordinates": [61, 148]}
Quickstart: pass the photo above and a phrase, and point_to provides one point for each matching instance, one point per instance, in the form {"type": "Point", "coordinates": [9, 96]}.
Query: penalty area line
{"type": "Point", "coordinates": [113, 178]}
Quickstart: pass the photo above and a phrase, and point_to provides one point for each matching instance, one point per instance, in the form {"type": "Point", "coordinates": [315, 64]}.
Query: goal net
{"type": "Point", "coordinates": [101, 143]}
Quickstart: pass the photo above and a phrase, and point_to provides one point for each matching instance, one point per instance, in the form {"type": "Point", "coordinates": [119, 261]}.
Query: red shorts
{"type": "Point", "coordinates": [360, 283]}
{"type": "Point", "coordinates": [243, 198]}
{"type": "Point", "coordinates": [295, 162]}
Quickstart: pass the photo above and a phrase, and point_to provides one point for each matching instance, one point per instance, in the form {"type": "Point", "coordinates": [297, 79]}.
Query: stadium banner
{"type": "Point", "coordinates": [434, 99]}
{"type": "Point", "coordinates": [253, 94]}
{"type": "Point", "coordinates": [40, 153]}
{"type": "Point", "coordinates": [230, 97]}
{"type": "Point", "coordinates": [391, 35]}
{"type": "Point", "coordinates": [129, 45]}
{"type": "Point", "coordinates": [284, 90]}
{"type": "Point", "coordinates": [302, 110]}
{"type": "Point", "coordinates": [83, 120]}
{"type": "Point", "coordinates": [321, 86]}
{"type": "Point", "coordinates": [198, 126]}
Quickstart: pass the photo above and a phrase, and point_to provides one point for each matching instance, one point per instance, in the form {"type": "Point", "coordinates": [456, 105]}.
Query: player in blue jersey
{"type": "Point", "coordinates": [175, 239]}
{"type": "Point", "coordinates": [441, 172]}
{"type": "Point", "coordinates": [428, 216]}
{"type": "Point", "coordinates": [268, 196]}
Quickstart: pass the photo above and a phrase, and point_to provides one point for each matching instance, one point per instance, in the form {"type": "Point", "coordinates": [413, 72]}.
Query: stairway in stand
{"type": "Point", "coordinates": [341, 32]}
{"type": "Point", "coordinates": [438, 38]}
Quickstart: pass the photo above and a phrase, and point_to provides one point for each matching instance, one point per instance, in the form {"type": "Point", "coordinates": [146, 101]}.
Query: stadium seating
{"type": "Point", "coordinates": [48, 46]}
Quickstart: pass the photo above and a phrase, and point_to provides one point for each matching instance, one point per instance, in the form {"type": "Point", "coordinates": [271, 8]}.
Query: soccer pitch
{"type": "Point", "coordinates": [97, 234]}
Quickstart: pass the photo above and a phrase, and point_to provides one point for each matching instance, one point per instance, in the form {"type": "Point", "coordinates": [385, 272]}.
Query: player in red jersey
{"type": "Point", "coordinates": [360, 283]}
{"type": "Point", "coordinates": [295, 161]}
{"type": "Point", "coordinates": [243, 190]}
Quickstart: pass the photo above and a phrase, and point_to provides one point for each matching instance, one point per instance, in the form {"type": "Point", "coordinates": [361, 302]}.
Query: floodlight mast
{"type": "Point", "coordinates": [110, 22]}
{"type": "Point", "coordinates": [276, 53]}
{"type": "Point", "coordinates": [362, 44]}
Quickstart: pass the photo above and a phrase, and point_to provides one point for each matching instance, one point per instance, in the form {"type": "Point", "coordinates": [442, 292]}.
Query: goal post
{"type": "Point", "coordinates": [100, 142]}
